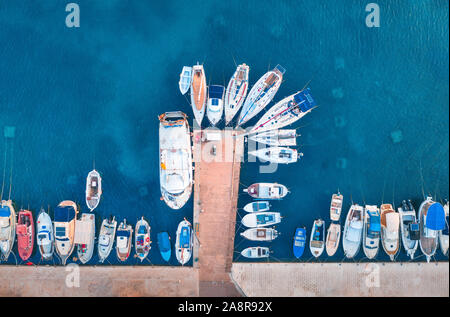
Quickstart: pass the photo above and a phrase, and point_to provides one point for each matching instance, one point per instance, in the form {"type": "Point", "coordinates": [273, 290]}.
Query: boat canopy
{"type": "Point", "coordinates": [374, 224]}
{"type": "Point", "coordinates": [435, 217]}
{"type": "Point", "coordinates": [185, 237]}
{"type": "Point", "coordinates": [304, 100]}
{"type": "Point", "coordinates": [353, 235]}
{"type": "Point", "coordinates": [64, 214]}
{"type": "Point", "coordinates": [83, 232]}
{"type": "Point", "coordinates": [392, 222]}
{"type": "Point", "coordinates": [5, 211]}
{"type": "Point", "coordinates": [216, 91]}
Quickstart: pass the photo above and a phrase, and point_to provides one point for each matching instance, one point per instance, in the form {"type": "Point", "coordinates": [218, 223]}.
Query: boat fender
{"type": "Point", "coordinates": [147, 239]}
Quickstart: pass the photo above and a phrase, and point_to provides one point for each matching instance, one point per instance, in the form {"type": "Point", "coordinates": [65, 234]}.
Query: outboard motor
{"type": "Point", "coordinates": [410, 205]}
{"type": "Point", "coordinates": [405, 205]}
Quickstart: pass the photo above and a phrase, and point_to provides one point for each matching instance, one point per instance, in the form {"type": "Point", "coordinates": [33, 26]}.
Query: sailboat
{"type": "Point", "coordinates": [214, 108]}
{"type": "Point", "coordinates": [44, 235]}
{"type": "Point", "coordinates": [183, 243]}
{"type": "Point", "coordinates": [7, 228]}
{"type": "Point", "coordinates": [443, 234]}
{"type": "Point", "coordinates": [431, 221]}
{"type": "Point", "coordinates": [185, 79]}
{"type": "Point", "coordinates": [85, 237]}
{"type": "Point", "coordinates": [261, 219]}
{"type": "Point", "coordinates": [124, 237]}
{"type": "Point", "coordinates": [286, 112]}
{"type": "Point", "coordinates": [409, 228]}
{"type": "Point", "coordinates": [236, 92]}
{"type": "Point", "coordinates": [261, 94]}
{"type": "Point", "coordinates": [267, 191]}
{"type": "Point", "coordinates": [256, 252]}
{"type": "Point", "coordinates": [336, 206]}
{"type": "Point", "coordinates": [333, 238]}
{"type": "Point", "coordinates": [164, 245]}
{"type": "Point", "coordinates": [198, 93]}
{"type": "Point", "coordinates": [64, 228]}
{"type": "Point", "coordinates": [390, 223]}
{"type": "Point", "coordinates": [353, 230]}
{"type": "Point", "coordinates": [299, 242]}
{"type": "Point", "coordinates": [93, 189]}
{"type": "Point", "coordinates": [317, 239]}
{"type": "Point", "coordinates": [371, 234]}
{"type": "Point", "coordinates": [260, 234]}
{"type": "Point", "coordinates": [142, 243]}
{"type": "Point", "coordinates": [282, 137]}
{"type": "Point", "coordinates": [257, 206]}
{"type": "Point", "coordinates": [280, 155]}
{"type": "Point", "coordinates": [25, 234]}
{"type": "Point", "coordinates": [106, 237]}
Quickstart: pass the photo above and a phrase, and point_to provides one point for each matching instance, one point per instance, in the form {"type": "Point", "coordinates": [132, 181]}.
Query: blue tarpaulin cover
{"type": "Point", "coordinates": [216, 91]}
{"type": "Point", "coordinates": [304, 100]}
{"type": "Point", "coordinates": [185, 239]}
{"type": "Point", "coordinates": [435, 217]}
{"type": "Point", "coordinates": [123, 233]}
{"type": "Point", "coordinates": [163, 241]}
{"type": "Point", "coordinates": [64, 214]}
{"type": "Point", "coordinates": [374, 222]}
{"type": "Point", "coordinates": [4, 211]}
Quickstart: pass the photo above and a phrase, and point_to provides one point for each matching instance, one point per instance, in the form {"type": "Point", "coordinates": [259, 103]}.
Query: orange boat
{"type": "Point", "coordinates": [198, 92]}
{"type": "Point", "coordinates": [25, 234]}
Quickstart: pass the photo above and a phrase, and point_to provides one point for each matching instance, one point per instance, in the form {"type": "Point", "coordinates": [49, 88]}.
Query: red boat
{"type": "Point", "coordinates": [25, 234]}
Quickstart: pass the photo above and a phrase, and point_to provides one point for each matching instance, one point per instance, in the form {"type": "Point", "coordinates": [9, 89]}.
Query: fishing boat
{"type": "Point", "coordinates": [25, 234]}
{"type": "Point", "coordinates": [256, 252]}
{"type": "Point", "coordinates": [353, 229]}
{"type": "Point", "coordinates": [267, 191]}
{"type": "Point", "coordinates": [164, 245]}
{"type": "Point", "coordinates": [257, 206]}
{"type": "Point", "coordinates": [106, 237]}
{"type": "Point", "coordinates": [371, 234]}
{"type": "Point", "coordinates": [185, 79]}
{"type": "Point", "coordinates": [85, 237]}
{"type": "Point", "coordinates": [236, 92]}
{"type": "Point", "coordinates": [93, 189]}
{"type": "Point", "coordinates": [175, 159]}
{"type": "Point", "coordinates": [260, 234]}
{"type": "Point", "coordinates": [198, 93]}
{"type": "Point", "coordinates": [390, 223]}
{"type": "Point", "coordinates": [299, 242]}
{"type": "Point", "coordinates": [44, 235]}
{"type": "Point", "coordinates": [431, 221]}
{"type": "Point", "coordinates": [317, 239]}
{"type": "Point", "coordinates": [336, 206]}
{"type": "Point", "coordinates": [409, 228]}
{"type": "Point", "coordinates": [261, 94]}
{"type": "Point", "coordinates": [443, 234]}
{"type": "Point", "coordinates": [279, 155]}
{"type": "Point", "coordinates": [286, 112]}
{"type": "Point", "coordinates": [7, 228]}
{"type": "Point", "coordinates": [282, 137]}
{"type": "Point", "coordinates": [333, 238]}
{"type": "Point", "coordinates": [183, 243]}
{"type": "Point", "coordinates": [142, 242]}
{"type": "Point", "coordinates": [64, 229]}
{"type": "Point", "coordinates": [261, 219]}
{"type": "Point", "coordinates": [214, 107]}
{"type": "Point", "coordinates": [123, 243]}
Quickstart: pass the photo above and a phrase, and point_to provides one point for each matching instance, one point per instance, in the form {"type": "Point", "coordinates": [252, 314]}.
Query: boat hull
{"type": "Point", "coordinates": [279, 155]}
{"type": "Point", "coordinates": [85, 251]}
{"type": "Point", "coordinates": [64, 243]}
{"type": "Point", "coordinates": [198, 93]}
{"type": "Point", "coordinates": [44, 228]}
{"type": "Point", "coordinates": [142, 241]}
{"type": "Point", "coordinates": [106, 238]}
{"type": "Point", "coordinates": [236, 92]}
{"type": "Point", "coordinates": [389, 239]}
{"type": "Point", "coordinates": [7, 243]}
{"type": "Point", "coordinates": [25, 234]}
{"type": "Point", "coordinates": [317, 239]}
{"type": "Point", "coordinates": [353, 231]}
{"type": "Point", "coordinates": [184, 241]}
{"type": "Point", "coordinates": [333, 238]}
{"type": "Point", "coordinates": [260, 234]}
{"type": "Point", "coordinates": [93, 189]}
{"type": "Point", "coordinates": [371, 242]}
{"type": "Point", "coordinates": [256, 252]}
{"type": "Point", "coordinates": [409, 245]}
{"type": "Point", "coordinates": [271, 191]}
{"type": "Point", "coordinates": [261, 219]}
{"type": "Point", "coordinates": [299, 242]}
{"type": "Point", "coordinates": [286, 137]}
{"type": "Point", "coordinates": [257, 206]}
{"type": "Point", "coordinates": [123, 243]}
{"type": "Point", "coordinates": [164, 246]}
{"type": "Point", "coordinates": [185, 79]}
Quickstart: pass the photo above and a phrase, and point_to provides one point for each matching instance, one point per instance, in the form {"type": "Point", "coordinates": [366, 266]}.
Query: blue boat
{"type": "Point", "coordinates": [299, 242]}
{"type": "Point", "coordinates": [164, 245]}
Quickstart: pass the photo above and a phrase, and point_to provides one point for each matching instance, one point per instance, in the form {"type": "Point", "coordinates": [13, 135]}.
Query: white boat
{"type": "Point", "coordinates": [280, 155]}
{"type": "Point", "coordinates": [106, 238]}
{"type": "Point", "coordinates": [371, 234]}
{"type": "Point", "coordinates": [317, 239]}
{"type": "Point", "coordinates": [260, 234]}
{"type": "Point", "coordinates": [256, 252]}
{"type": "Point", "coordinates": [443, 234]}
{"type": "Point", "coordinates": [336, 206]}
{"type": "Point", "coordinates": [44, 235]}
{"type": "Point", "coordinates": [261, 219]}
{"type": "Point", "coordinates": [185, 79]}
{"type": "Point", "coordinates": [390, 223]}
{"type": "Point", "coordinates": [64, 229]}
{"type": "Point", "coordinates": [85, 237]}
{"type": "Point", "coordinates": [431, 221]}
{"type": "Point", "coordinates": [7, 228]}
{"type": "Point", "coordinates": [257, 206]}
{"type": "Point", "coordinates": [93, 189]}
{"type": "Point", "coordinates": [333, 238]}
{"type": "Point", "coordinates": [267, 191]}
{"type": "Point", "coordinates": [236, 92]}
{"type": "Point", "coordinates": [175, 159]}
{"type": "Point", "coordinates": [409, 228]}
{"type": "Point", "coordinates": [142, 241]}
{"type": "Point", "coordinates": [124, 237]}
{"type": "Point", "coordinates": [353, 231]}
{"type": "Point", "coordinates": [214, 108]}
{"type": "Point", "coordinates": [261, 94]}
{"type": "Point", "coordinates": [184, 242]}
{"type": "Point", "coordinates": [286, 112]}
{"type": "Point", "coordinates": [282, 137]}
{"type": "Point", "coordinates": [198, 93]}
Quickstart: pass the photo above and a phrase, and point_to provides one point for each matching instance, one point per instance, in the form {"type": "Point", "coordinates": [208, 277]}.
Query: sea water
{"type": "Point", "coordinates": [93, 93]}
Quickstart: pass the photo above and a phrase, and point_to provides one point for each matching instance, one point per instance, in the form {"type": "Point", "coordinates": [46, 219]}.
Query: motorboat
{"type": "Point", "coordinates": [299, 242]}
{"type": "Point", "coordinates": [7, 228]}
{"type": "Point", "coordinates": [261, 94]}
{"type": "Point", "coordinates": [256, 252]}
{"type": "Point", "coordinates": [25, 234]}
{"type": "Point", "coordinates": [333, 238]}
{"type": "Point", "coordinates": [431, 221]}
{"type": "Point", "coordinates": [336, 206]}
{"type": "Point", "coordinates": [44, 235]}
{"type": "Point", "coordinates": [64, 228]}
{"type": "Point", "coordinates": [279, 155]}
{"type": "Point", "coordinates": [372, 229]}
{"type": "Point", "coordinates": [185, 79]}
{"type": "Point", "coordinates": [184, 242]}
{"type": "Point", "coordinates": [214, 108]}
{"type": "Point", "coordinates": [260, 234]}
{"type": "Point", "coordinates": [85, 237]}
{"type": "Point", "coordinates": [443, 234]}
{"type": "Point", "coordinates": [282, 137]}
{"type": "Point", "coordinates": [353, 231]}
{"type": "Point", "coordinates": [164, 245]}
{"type": "Point", "coordinates": [390, 223]}
{"type": "Point", "coordinates": [175, 159]}
{"type": "Point", "coordinates": [409, 228]}
{"type": "Point", "coordinates": [93, 189]}
{"type": "Point", "coordinates": [317, 239]}
{"type": "Point", "coordinates": [106, 237]}
{"type": "Point", "coordinates": [236, 92]}
{"type": "Point", "coordinates": [257, 206]}
{"type": "Point", "coordinates": [198, 93]}
{"type": "Point", "coordinates": [124, 235]}
{"type": "Point", "coordinates": [142, 242]}
{"type": "Point", "coordinates": [267, 191]}
{"type": "Point", "coordinates": [261, 219]}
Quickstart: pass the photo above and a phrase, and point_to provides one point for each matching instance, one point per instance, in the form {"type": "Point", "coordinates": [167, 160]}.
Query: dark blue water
{"type": "Point", "coordinates": [94, 93]}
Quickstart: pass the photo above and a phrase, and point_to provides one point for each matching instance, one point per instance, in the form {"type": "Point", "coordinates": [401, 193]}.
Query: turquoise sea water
{"type": "Point", "coordinates": [75, 95]}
